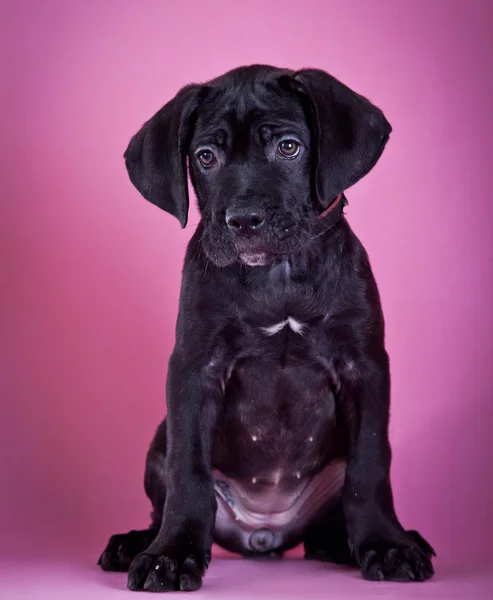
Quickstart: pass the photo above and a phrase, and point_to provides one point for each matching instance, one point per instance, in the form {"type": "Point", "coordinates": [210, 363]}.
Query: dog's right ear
{"type": "Point", "coordinates": [156, 158]}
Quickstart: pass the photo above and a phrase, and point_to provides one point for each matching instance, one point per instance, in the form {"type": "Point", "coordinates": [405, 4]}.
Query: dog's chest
{"type": "Point", "coordinates": [287, 335]}
{"type": "Point", "coordinates": [293, 324]}
{"type": "Point", "coordinates": [279, 406]}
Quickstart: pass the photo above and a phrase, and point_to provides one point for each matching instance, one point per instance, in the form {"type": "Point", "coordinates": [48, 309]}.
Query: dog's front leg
{"type": "Point", "coordinates": [179, 555]}
{"type": "Point", "coordinates": [383, 549]}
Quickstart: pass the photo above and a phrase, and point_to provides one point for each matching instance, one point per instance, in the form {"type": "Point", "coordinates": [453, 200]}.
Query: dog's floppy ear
{"type": "Point", "coordinates": [156, 158]}
{"type": "Point", "coordinates": [350, 132]}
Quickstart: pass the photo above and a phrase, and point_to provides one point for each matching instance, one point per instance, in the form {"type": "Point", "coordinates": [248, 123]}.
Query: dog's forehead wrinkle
{"type": "Point", "coordinates": [243, 106]}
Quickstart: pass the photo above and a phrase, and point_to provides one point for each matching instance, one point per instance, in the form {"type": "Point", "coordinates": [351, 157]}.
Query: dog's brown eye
{"type": "Point", "coordinates": [207, 158]}
{"type": "Point", "coordinates": [288, 149]}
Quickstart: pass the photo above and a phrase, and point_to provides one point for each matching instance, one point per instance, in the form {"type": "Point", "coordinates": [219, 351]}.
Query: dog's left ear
{"type": "Point", "coordinates": [350, 132]}
{"type": "Point", "coordinates": [156, 157]}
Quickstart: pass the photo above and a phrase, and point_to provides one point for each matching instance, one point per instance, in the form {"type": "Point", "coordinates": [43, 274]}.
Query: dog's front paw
{"type": "Point", "coordinates": [382, 560]}
{"type": "Point", "coordinates": [170, 570]}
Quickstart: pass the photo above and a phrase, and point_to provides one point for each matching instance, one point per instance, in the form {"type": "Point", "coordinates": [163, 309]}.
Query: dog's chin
{"type": "Point", "coordinates": [251, 259]}
{"type": "Point", "coordinates": [258, 259]}
{"type": "Point", "coordinates": [243, 251]}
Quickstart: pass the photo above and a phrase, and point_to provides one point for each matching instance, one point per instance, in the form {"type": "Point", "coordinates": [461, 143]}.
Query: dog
{"type": "Point", "coordinates": [278, 387]}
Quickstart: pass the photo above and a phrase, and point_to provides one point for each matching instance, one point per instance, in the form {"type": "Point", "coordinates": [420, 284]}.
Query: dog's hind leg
{"type": "Point", "coordinates": [122, 548]}
{"type": "Point", "coordinates": [326, 538]}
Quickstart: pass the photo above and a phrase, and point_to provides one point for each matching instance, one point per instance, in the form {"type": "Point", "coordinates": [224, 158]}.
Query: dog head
{"type": "Point", "coordinates": [268, 150]}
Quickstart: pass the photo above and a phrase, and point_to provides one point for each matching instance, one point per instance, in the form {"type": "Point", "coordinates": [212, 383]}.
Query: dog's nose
{"type": "Point", "coordinates": [245, 220]}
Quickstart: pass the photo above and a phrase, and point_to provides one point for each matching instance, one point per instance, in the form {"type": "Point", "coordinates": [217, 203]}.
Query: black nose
{"type": "Point", "coordinates": [245, 220]}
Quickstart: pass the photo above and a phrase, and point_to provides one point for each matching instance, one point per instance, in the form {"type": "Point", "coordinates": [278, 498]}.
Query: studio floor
{"type": "Point", "coordinates": [76, 578]}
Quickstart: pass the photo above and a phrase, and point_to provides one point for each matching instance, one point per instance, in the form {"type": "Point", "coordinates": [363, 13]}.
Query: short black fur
{"type": "Point", "coordinates": [261, 254]}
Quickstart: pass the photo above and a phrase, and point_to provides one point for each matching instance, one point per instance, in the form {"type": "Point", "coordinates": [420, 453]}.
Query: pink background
{"type": "Point", "coordinates": [90, 271]}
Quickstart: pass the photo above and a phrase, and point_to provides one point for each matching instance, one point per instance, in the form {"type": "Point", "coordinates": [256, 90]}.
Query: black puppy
{"type": "Point", "coordinates": [278, 387]}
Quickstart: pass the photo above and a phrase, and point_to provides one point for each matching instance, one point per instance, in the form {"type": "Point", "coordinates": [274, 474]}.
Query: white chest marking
{"type": "Point", "coordinates": [293, 324]}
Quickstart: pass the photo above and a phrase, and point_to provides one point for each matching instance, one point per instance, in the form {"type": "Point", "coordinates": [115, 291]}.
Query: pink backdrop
{"type": "Point", "coordinates": [90, 271]}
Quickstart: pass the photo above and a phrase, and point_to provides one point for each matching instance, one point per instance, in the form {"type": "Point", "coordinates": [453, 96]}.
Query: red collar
{"type": "Point", "coordinates": [334, 209]}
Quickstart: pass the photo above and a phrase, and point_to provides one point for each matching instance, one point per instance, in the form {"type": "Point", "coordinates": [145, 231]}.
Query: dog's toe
{"type": "Point", "coordinates": [163, 574]}
{"type": "Point", "coordinates": [111, 559]}
{"type": "Point", "coordinates": [139, 571]}
{"type": "Point", "coordinates": [382, 561]}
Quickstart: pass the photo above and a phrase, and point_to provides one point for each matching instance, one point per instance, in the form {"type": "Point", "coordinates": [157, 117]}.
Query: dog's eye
{"type": "Point", "coordinates": [207, 159]}
{"type": "Point", "coordinates": [288, 149]}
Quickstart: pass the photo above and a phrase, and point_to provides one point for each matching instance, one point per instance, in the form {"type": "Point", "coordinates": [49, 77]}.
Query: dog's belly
{"type": "Point", "coordinates": [278, 454]}
{"type": "Point", "coordinates": [270, 517]}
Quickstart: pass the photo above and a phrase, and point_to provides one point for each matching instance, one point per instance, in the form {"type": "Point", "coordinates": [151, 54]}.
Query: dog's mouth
{"type": "Point", "coordinates": [224, 249]}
